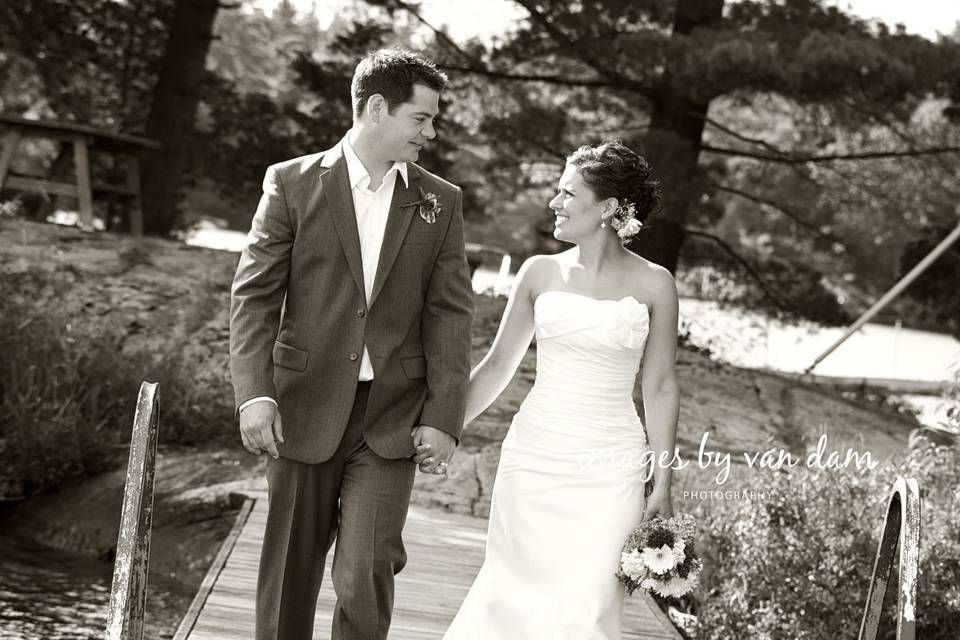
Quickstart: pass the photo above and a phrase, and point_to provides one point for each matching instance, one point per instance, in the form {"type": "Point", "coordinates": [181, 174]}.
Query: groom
{"type": "Point", "coordinates": [350, 348]}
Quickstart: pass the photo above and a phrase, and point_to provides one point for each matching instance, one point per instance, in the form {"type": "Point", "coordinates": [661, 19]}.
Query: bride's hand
{"type": "Point", "coordinates": [658, 504]}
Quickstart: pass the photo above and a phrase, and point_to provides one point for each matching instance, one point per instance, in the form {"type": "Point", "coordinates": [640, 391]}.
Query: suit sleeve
{"type": "Point", "coordinates": [258, 291]}
{"type": "Point", "coordinates": [445, 330]}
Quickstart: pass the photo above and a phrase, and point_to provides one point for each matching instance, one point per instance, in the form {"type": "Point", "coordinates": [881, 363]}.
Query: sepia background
{"type": "Point", "coordinates": [809, 155]}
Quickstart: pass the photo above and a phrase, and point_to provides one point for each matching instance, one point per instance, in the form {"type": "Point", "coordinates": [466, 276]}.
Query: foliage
{"type": "Point", "coordinates": [740, 117]}
{"type": "Point", "coordinates": [57, 401]}
{"type": "Point", "coordinates": [92, 61]}
{"type": "Point", "coordinates": [936, 288]}
{"type": "Point", "coordinates": [798, 564]}
{"type": "Point", "coordinates": [783, 81]}
{"type": "Point", "coordinates": [67, 399]}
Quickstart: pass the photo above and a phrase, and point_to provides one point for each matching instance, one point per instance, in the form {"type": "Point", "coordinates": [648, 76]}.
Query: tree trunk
{"type": "Point", "coordinates": [173, 110]}
{"type": "Point", "coordinates": [673, 146]}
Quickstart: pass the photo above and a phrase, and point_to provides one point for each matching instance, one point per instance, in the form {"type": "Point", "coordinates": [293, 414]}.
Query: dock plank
{"type": "Point", "coordinates": [444, 552]}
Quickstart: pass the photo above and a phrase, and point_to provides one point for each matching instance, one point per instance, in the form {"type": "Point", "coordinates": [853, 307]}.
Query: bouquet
{"type": "Point", "coordinates": [659, 557]}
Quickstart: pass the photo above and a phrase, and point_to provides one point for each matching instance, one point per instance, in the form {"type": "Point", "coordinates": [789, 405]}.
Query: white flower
{"type": "Point", "coordinates": [659, 560]}
{"type": "Point", "coordinates": [651, 584]}
{"type": "Point", "coordinates": [676, 587]}
{"type": "Point", "coordinates": [678, 552]}
{"type": "Point", "coordinates": [629, 228]}
{"type": "Point", "coordinates": [631, 562]}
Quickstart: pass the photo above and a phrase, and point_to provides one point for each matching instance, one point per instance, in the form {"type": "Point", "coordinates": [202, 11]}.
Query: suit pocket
{"type": "Point", "coordinates": [289, 357]}
{"type": "Point", "coordinates": [415, 367]}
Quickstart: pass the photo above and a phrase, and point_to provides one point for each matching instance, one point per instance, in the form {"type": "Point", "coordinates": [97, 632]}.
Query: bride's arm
{"type": "Point", "coordinates": [661, 393]}
{"type": "Point", "coordinates": [491, 376]}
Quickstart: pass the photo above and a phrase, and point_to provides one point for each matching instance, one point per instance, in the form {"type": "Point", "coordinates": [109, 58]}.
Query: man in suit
{"type": "Point", "coordinates": [350, 318]}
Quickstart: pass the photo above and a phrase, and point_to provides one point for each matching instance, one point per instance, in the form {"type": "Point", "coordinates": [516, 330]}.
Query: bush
{"type": "Point", "coordinates": [59, 401]}
{"type": "Point", "coordinates": [67, 399]}
{"type": "Point", "coordinates": [798, 564]}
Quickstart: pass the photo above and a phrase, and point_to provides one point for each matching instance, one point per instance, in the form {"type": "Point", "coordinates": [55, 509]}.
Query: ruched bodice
{"type": "Point", "coordinates": [588, 356]}
{"type": "Point", "coordinates": [569, 485]}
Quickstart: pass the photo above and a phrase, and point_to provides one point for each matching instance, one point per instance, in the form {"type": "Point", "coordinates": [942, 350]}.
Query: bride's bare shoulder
{"type": "Point", "coordinates": [654, 282]}
{"type": "Point", "coordinates": [536, 273]}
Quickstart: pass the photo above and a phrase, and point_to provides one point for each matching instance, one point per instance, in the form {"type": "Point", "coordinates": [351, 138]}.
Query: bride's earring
{"type": "Point", "coordinates": [603, 223]}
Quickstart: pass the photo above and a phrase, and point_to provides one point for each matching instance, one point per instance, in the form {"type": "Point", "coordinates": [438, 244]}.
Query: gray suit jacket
{"type": "Point", "coordinates": [299, 317]}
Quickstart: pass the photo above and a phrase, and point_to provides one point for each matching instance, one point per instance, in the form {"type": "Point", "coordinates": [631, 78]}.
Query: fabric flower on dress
{"type": "Point", "coordinates": [630, 324]}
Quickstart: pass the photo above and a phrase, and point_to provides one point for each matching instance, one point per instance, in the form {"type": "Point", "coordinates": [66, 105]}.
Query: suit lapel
{"type": "Point", "coordinates": [335, 185]}
{"type": "Point", "coordinates": [398, 221]}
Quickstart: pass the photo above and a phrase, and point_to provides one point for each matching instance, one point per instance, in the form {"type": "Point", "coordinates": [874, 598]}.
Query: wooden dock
{"type": "Point", "coordinates": [444, 551]}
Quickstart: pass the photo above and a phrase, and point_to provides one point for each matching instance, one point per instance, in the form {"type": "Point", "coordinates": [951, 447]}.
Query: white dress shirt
{"type": "Point", "coordinates": [372, 209]}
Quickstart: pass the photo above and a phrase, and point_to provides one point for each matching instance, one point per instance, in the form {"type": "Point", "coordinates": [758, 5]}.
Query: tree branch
{"type": "Point", "coordinates": [519, 77]}
{"type": "Point", "coordinates": [797, 159]}
{"type": "Point", "coordinates": [783, 306]}
{"type": "Point", "coordinates": [442, 35]}
{"type": "Point", "coordinates": [897, 131]}
{"type": "Point", "coordinates": [476, 66]}
{"type": "Point", "coordinates": [579, 51]}
{"type": "Point", "coordinates": [744, 138]}
{"type": "Point", "coordinates": [777, 207]}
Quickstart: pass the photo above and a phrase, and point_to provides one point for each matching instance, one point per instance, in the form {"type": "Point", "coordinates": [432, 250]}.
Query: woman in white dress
{"type": "Point", "coordinates": [570, 484]}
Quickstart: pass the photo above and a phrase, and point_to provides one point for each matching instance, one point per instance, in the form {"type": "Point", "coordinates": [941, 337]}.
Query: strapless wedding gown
{"type": "Point", "coordinates": [569, 487]}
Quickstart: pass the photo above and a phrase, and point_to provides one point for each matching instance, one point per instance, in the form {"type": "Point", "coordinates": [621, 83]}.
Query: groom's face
{"type": "Point", "coordinates": [404, 132]}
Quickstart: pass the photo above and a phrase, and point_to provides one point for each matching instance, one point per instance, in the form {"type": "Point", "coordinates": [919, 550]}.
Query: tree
{"type": "Point", "coordinates": [651, 72]}
{"type": "Point", "coordinates": [173, 111]}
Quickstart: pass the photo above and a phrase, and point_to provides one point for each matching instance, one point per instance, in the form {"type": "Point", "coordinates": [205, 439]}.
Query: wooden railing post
{"type": "Point", "coordinates": [128, 594]}
{"type": "Point", "coordinates": [901, 524]}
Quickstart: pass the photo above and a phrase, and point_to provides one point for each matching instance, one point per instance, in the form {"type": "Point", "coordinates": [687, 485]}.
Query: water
{"type": "Point", "coordinates": [55, 595]}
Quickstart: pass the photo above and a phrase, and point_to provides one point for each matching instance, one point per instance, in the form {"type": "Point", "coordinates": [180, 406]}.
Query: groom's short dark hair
{"type": "Point", "coordinates": [392, 73]}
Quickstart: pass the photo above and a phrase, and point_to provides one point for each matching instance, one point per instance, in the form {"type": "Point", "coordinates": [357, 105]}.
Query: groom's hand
{"type": "Point", "coordinates": [261, 429]}
{"type": "Point", "coordinates": [433, 446]}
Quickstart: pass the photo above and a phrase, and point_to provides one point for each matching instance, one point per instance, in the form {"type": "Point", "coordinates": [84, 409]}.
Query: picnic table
{"type": "Point", "coordinates": [84, 140]}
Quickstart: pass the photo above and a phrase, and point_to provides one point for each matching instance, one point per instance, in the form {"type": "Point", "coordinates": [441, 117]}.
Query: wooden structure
{"type": "Point", "coordinates": [901, 531]}
{"type": "Point", "coordinates": [84, 140]}
{"type": "Point", "coordinates": [128, 595]}
{"type": "Point", "coordinates": [444, 552]}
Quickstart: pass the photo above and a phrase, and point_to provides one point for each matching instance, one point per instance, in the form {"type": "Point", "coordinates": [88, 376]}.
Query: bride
{"type": "Point", "coordinates": [570, 484]}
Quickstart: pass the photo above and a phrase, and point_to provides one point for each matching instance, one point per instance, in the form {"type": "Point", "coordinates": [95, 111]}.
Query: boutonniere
{"type": "Point", "coordinates": [428, 205]}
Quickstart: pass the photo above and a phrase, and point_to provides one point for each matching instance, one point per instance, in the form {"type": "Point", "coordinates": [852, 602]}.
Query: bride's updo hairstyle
{"type": "Point", "coordinates": [613, 170]}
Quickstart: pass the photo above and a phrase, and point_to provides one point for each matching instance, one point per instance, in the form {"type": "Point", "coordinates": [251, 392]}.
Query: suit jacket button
{"type": "Point", "coordinates": [360, 313]}
{"type": "Point", "coordinates": [354, 356]}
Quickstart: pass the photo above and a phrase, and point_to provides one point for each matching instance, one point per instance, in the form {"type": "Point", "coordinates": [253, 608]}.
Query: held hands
{"type": "Point", "coordinates": [658, 504]}
{"type": "Point", "coordinates": [434, 448]}
{"type": "Point", "coordinates": [260, 428]}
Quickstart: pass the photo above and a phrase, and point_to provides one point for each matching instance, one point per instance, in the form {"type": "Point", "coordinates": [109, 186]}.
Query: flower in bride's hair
{"type": "Point", "coordinates": [659, 560]}
{"type": "Point", "coordinates": [624, 222]}
{"type": "Point", "coordinates": [630, 228]}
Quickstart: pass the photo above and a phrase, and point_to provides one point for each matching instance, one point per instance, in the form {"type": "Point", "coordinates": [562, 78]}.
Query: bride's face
{"type": "Point", "coordinates": [577, 209]}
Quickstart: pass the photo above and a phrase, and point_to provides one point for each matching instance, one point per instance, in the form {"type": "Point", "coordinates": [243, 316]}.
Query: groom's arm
{"type": "Point", "coordinates": [257, 294]}
{"type": "Point", "coordinates": [445, 330]}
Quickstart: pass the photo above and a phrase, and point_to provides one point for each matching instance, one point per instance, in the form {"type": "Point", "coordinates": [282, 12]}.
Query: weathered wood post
{"type": "Point", "coordinates": [901, 524]}
{"type": "Point", "coordinates": [128, 594]}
